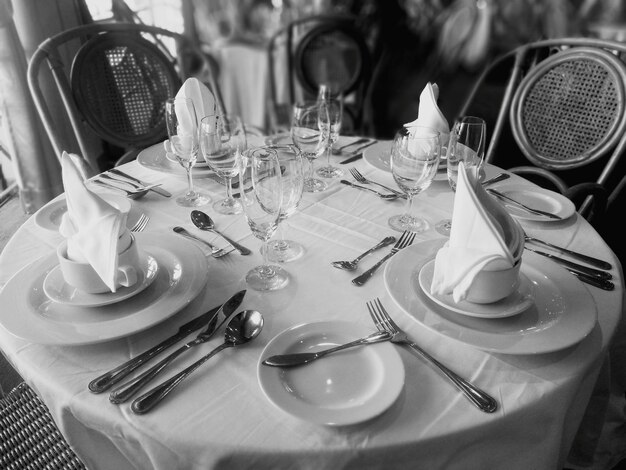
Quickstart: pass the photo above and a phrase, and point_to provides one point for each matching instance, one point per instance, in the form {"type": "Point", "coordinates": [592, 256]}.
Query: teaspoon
{"type": "Point", "coordinates": [204, 222]}
{"type": "Point", "coordinates": [244, 327]}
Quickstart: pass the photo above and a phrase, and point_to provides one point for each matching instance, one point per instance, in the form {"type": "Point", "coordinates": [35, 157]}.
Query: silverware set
{"type": "Point", "coordinates": [129, 185]}
{"type": "Point", "coordinates": [391, 195]}
{"type": "Point", "coordinates": [405, 240]}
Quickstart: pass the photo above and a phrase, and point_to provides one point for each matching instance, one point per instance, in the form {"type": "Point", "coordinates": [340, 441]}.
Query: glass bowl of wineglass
{"type": "Point", "coordinates": [308, 136]}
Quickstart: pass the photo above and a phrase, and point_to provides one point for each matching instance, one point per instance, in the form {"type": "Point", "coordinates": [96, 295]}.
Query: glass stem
{"type": "Point", "coordinates": [328, 152]}
{"type": "Point", "coordinates": [229, 187]}
{"type": "Point", "coordinates": [310, 171]}
{"type": "Point", "coordinates": [409, 204]}
{"type": "Point", "coordinates": [190, 190]}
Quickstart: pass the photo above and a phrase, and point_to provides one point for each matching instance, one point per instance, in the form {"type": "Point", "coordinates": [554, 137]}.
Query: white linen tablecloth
{"type": "Point", "coordinates": [219, 418]}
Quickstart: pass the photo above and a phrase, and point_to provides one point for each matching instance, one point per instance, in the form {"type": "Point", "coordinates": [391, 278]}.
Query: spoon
{"type": "Point", "coordinates": [244, 327]}
{"type": "Point", "coordinates": [215, 252]}
{"type": "Point", "coordinates": [351, 265]}
{"type": "Point", "coordinates": [131, 194]}
{"type": "Point", "coordinates": [204, 222]}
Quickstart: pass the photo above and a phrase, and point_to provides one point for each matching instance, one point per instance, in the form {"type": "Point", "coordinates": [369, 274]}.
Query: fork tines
{"type": "Point", "coordinates": [140, 224]}
{"type": "Point", "coordinates": [405, 240]}
{"type": "Point", "coordinates": [379, 315]}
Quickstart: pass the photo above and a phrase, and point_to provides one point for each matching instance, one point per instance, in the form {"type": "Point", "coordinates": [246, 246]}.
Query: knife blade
{"type": "Point", "coordinates": [523, 206]}
{"type": "Point", "coordinates": [570, 264]}
{"type": "Point", "coordinates": [598, 263]}
{"type": "Point", "coordinates": [156, 189]}
{"type": "Point", "coordinates": [591, 280]}
{"type": "Point", "coordinates": [353, 158]}
{"type": "Point", "coordinates": [110, 378]}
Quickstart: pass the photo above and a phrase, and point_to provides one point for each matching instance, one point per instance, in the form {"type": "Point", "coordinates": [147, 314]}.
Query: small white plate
{"type": "Point", "coordinates": [28, 313]}
{"type": "Point", "coordinates": [537, 198]}
{"type": "Point", "coordinates": [379, 156]}
{"type": "Point", "coordinates": [344, 388]}
{"type": "Point", "coordinates": [59, 291]}
{"type": "Point", "coordinates": [563, 312]}
{"type": "Point", "coordinates": [515, 303]}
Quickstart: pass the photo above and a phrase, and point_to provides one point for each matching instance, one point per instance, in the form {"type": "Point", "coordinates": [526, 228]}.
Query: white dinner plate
{"type": "Point", "coordinates": [344, 388]}
{"type": "Point", "coordinates": [49, 216]}
{"type": "Point", "coordinates": [379, 156]}
{"type": "Point", "coordinates": [155, 158]}
{"type": "Point", "coordinates": [28, 313]}
{"type": "Point", "coordinates": [55, 287]}
{"type": "Point", "coordinates": [199, 163]}
{"type": "Point", "coordinates": [562, 314]}
{"type": "Point", "coordinates": [517, 302]}
{"type": "Point", "coordinates": [537, 198]}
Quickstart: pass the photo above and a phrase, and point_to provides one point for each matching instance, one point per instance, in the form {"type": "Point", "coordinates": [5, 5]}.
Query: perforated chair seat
{"type": "Point", "coordinates": [29, 439]}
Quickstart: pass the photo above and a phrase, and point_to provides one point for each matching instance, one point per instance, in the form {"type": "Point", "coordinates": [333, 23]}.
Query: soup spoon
{"type": "Point", "coordinates": [204, 222]}
{"type": "Point", "coordinates": [244, 327]}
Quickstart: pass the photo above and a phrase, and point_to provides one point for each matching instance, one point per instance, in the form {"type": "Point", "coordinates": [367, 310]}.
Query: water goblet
{"type": "Point", "coordinates": [467, 145]}
{"type": "Point", "coordinates": [262, 209]}
{"type": "Point", "coordinates": [414, 160]}
{"type": "Point", "coordinates": [182, 130]}
{"type": "Point", "coordinates": [222, 141]}
{"type": "Point", "coordinates": [309, 138]}
{"type": "Point", "coordinates": [330, 122]}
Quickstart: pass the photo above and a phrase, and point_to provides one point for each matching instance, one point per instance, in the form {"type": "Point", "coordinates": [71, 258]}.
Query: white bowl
{"type": "Point", "coordinates": [494, 282]}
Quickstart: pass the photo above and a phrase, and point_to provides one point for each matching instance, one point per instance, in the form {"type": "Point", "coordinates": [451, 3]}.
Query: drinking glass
{"type": "Point", "coordinates": [330, 122]}
{"type": "Point", "coordinates": [310, 140]}
{"type": "Point", "coordinates": [467, 145]}
{"type": "Point", "coordinates": [182, 130]}
{"type": "Point", "coordinates": [262, 209]}
{"type": "Point", "coordinates": [415, 156]}
{"type": "Point", "coordinates": [222, 141]}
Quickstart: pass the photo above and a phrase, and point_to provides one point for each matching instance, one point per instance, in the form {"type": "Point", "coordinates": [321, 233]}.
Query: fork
{"type": "Point", "coordinates": [384, 322]}
{"type": "Point", "coordinates": [140, 224]}
{"type": "Point", "coordinates": [356, 174]}
{"type": "Point", "coordinates": [405, 240]}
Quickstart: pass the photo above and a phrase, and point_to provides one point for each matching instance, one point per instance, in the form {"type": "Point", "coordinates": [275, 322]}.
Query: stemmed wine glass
{"type": "Point", "coordinates": [330, 122]}
{"type": "Point", "coordinates": [308, 137]}
{"type": "Point", "coordinates": [182, 130]}
{"type": "Point", "coordinates": [292, 170]}
{"type": "Point", "coordinates": [222, 141]}
{"type": "Point", "coordinates": [414, 159]}
{"type": "Point", "coordinates": [262, 209]}
{"type": "Point", "coordinates": [467, 145]}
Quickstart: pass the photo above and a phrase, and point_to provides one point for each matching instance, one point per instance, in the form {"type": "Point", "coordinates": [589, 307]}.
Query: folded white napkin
{"type": "Point", "coordinates": [482, 232]}
{"type": "Point", "coordinates": [429, 114]}
{"type": "Point", "coordinates": [91, 225]}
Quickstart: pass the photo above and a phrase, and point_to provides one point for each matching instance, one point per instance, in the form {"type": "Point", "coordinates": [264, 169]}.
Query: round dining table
{"type": "Point", "coordinates": [377, 407]}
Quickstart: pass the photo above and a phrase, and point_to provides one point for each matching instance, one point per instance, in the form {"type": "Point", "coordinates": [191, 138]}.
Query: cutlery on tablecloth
{"type": "Point", "coordinates": [107, 380]}
{"type": "Point", "coordinates": [405, 240]}
{"type": "Point", "coordinates": [352, 265]}
{"type": "Point", "coordinates": [156, 189]}
{"type": "Point", "coordinates": [388, 197]}
{"type": "Point", "coordinates": [131, 194]}
{"type": "Point", "coordinates": [582, 257]}
{"type": "Point", "coordinates": [532, 210]}
{"type": "Point", "coordinates": [593, 280]}
{"type": "Point", "coordinates": [362, 140]}
{"type": "Point", "coordinates": [204, 222]}
{"type": "Point", "coordinates": [129, 389]}
{"type": "Point", "coordinates": [351, 159]}
{"type": "Point", "coordinates": [244, 327]}
{"type": "Point", "coordinates": [356, 174]}
{"type": "Point", "coordinates": [589, 271]}
{"type": "Point", "coordinates": [299, 359]}
{"type": "Point", "coordinates": [384, 322]}
{"type": "Point", "coordinates": [215, 251]}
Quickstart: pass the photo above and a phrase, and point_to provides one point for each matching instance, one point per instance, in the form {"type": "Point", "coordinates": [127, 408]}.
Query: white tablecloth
{"type": "Point", "coordinates": [220, 418]}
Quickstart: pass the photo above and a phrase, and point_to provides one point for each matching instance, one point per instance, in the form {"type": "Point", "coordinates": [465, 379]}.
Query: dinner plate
{"type": "Point", "coordinates": [28, 313]}
{"type": "Point", "coordinates": [199, 163]}
{"type": "Point", "coordinates": [344, 388]}
{"type": "Point", "coordinates": [379, 155]}
{"type": "Point", "coordinates": [49, 216]}
{"type": "Point", "coordinates": [537, 198]}
{"type": "Point", "coordinates": [155, 158]}
{"type": "Point", "coordinates": [56, 289]}
{"type": "Point", "coordinates": [517, 302]}
{"type": "Point", "coordinates": [562, 314]}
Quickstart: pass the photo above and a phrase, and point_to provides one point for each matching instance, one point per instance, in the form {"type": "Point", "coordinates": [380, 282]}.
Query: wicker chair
{"type": "Point", "coordinates": [564, 100]}
{"type": "Point", "coordinates": [29, 439]}
{"type": "Point", "coordinates": [116, 87]}
{"type": "Point", "coordinates": [315, 50]}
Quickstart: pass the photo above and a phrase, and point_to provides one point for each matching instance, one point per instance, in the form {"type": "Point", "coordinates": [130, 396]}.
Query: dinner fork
{"type": "Point", "coordinates": [384, 322]}
{"type": "Point", "coordinates": [140, 224]}
{"type": "Point", "coordinates": [405, 240]}
{"type": "Point", "coordinates": [357, 175]}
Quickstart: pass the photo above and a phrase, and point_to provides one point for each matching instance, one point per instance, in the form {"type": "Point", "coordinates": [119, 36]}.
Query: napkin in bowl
{"type": "Point", "coordinates": [93, 227]}
{"type": "Point", "coordinates": [482, 233]}
{"type": "Point", "coordinates": [429, 114]}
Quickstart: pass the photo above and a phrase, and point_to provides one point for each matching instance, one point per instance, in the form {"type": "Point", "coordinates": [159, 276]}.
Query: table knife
{"type": "Point", "coordinates": [107, 380]}
{"type": "Point", "coordinates": [156, 189]}
{"type": "Point", "coordinates": [592, 280]}
{"type": "Point", "coordinates": [523, 206]}
{"type": "Point", "coordinates": [353, 158]}
{"type": "Point", "coordinates": [574, 254]}
{"type": "Point", "coordinates": [593, 272]}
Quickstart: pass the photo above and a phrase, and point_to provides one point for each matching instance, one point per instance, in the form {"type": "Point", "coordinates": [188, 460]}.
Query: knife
{"type": "Point", "coordinates": [594, 281]}
{"type": "Point", "coordinates": [586, 270]}
{"type": "Point", "coordinates": [351, 159]}
{"type": "Point", "coordinates": [523, 206]}
{"type": "Point", "coordinates": [156, 189]}
{"type": "Point", "coordinates": [574, 254]}
{"type": "Point", "coordinates": [105, 381]}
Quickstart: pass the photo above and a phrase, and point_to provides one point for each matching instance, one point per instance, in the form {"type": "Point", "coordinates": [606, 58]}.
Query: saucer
{"type": "Point", "coordinates": [59, 291]}
{"type": "Point", "coordinates": [515, 303]}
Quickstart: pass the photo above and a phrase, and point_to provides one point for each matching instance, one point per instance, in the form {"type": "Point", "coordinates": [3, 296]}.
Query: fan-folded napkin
{"type": "Point", "coordinates": [482, 233]}
{"type": "Point", "coordinates": [91, 225]}
{"type": "Point", "coordinates": [429, 114]}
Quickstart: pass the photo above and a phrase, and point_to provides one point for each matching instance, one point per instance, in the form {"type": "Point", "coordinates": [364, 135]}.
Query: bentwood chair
{"type": "Point", "coordinates": [29, 438]}
{"type": "Point", "coordinates": [315, 50]}
{"type": "Point", "coordinates": [564, 102]}
{"type": "Point", "coordinates": [114, 86]}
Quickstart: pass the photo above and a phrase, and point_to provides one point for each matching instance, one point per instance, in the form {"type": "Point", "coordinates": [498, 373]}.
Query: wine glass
{"type": "Point", "coordinates": [330, 122]}
{"type": "Point", "coordinates": [222, 141]}
{"type": "Point", "coordinates": [262, 209]}
{"type": "Point", "coordinates": [182, 130]}
{"type": "Point", "coordinates": [292, 169]}
{"type": "Point", "coordinates": [414, 159]}
{"type": "Point", "coordinates": [467, 145]}
{"type": "Point", "coordinates": [309, 138]}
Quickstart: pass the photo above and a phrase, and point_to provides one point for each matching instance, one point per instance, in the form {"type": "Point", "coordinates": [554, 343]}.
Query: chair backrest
{"type": "Point", "coordinates": [564, 100]}
{"type": "Point", "coordinates": [315, 50]}
{"type": "Point", "coordinates": [116, 85]}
